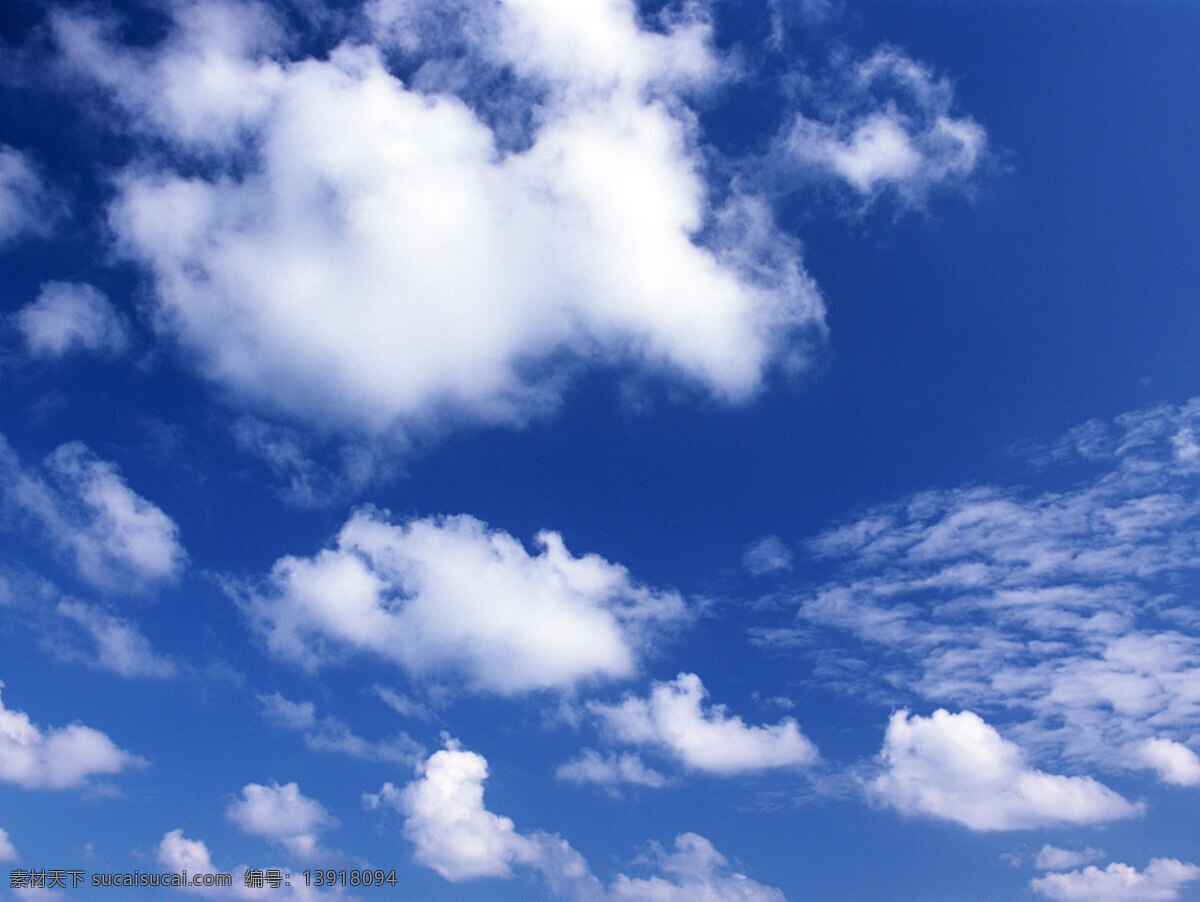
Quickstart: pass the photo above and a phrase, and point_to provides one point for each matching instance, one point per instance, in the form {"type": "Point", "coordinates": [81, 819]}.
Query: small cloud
{"type": "Point", "coordinates": [282, 815]}
{"type": "Point", "coordinates": [610, 770]}
{"type": "Point", "coordinates": [1176, 763]}
{"type": "Point", "coordinates": [120, 646]}
{"type": "Point", "coordinates": [8, 852]}
{"type": "Point", "coordinates": [766, 555]}
{"type": "Point", "coordinates": [1159, 882]}
{"type": "Point", "coordinates": [674, 719]}
{"type": "Point", "coordinates": [56, 758]}
{"type": "Point", "coordinates": [70, 316]}
{"type": "Point", "coordinates": [1052, 858]}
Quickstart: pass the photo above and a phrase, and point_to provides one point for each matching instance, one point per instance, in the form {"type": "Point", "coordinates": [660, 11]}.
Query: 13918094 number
{"type": "Point", "coordinates": [350, 878]}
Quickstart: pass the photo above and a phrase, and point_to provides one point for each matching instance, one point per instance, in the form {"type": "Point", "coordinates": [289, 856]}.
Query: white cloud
{"type": "Point", "coordinates": [287, 453]}
{"type": "Point", "coordinates": [1052, 858]}
{"type": "Point", "coordinates": [1062, 607]}
{"type": "Point", "coordinates": [448, 595]}
{"type": "Point", "coordinates": [673, 719]}
{"type": "Point", "coordinates": [402, 704]}
{"type": "Point", "coordinates": [71, 315]}
{"type": "Point", "coordinates": [892, 129]}
{"type": "Point", "coordinates": [118, 540]}
{"type": "Point", "coordinates": [328, 734]}
{"type": "Point", "coordinates": [450, 828]}
{"type": "Point", "coordinates": [454, 833]}
{"type": "Point", "coordinates": [27, 205]}
{"type": "Point", "coordinates": [767, 555]}
{"type": "Point", "coordinates": [371, 253]}
{"type": "Point", "coordinates": [282, 815]}
{"type": "Point", "coordinates": [56, 758]}
{"type": "Point", "coordinates": [609, 770]}
{"type": "Point", "coordinates": [958, 768]}
{"type": "Point", "coordinates": [1160, 882]}
{"type": "Point", "coordinates": [120, 646]}
{"type": "Point", "coordinates": [694, 872]}
{"type": "Point", "coordinates": [8, 852]}
{"type": "Point", "coordinates": [1176, 763]}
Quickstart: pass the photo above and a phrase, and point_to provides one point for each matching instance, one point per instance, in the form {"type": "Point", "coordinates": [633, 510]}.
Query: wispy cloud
{"type": "Point", "coordinates": [1068, 605]}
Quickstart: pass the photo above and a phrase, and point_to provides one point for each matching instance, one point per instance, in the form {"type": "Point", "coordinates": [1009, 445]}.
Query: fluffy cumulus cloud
{"type": "Point", "coordinates": [119, 645]}
{"type": "Point", "coordinates": [1176, 763]}
{"type": "Point", "coordinates": [117, 539]}
{"type": "Point", "coordinates": [893, 130]}
{"type": "Point", "coordinates": [27, 205]}
{"type": "Point", "coordinates": [1159, 882]}
{"type": "Point", "coordinates": [958, 768]}
{"type": "Point", "coordinates": [378, 254]}
{"type": "Point", "coordinates": [453, 832]}
{"type": "Point", "coordinates": [56, 758]}
{"type": "Point", "coordinates": [69, 316]}
{"type": "Point", "coordinates": [450, 596]}
{"type": "Point", "coordinates": [283, 815]}
{"type": "Point", "coordinates": [449, 827]}
{"type": "Point", "coordinates": [674, 719]}
{"type": "Point", "coordinates": [1067, 609]}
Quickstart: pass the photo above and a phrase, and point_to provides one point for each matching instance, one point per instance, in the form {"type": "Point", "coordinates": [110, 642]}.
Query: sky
{"type": "Point", "coordinates": [725, 450]}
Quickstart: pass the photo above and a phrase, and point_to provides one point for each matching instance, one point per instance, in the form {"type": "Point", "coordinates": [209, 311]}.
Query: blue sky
{"type": "Point", "coordinates": [710, 451]}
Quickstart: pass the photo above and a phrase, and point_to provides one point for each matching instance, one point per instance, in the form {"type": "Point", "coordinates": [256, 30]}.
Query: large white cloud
{"type": "Point", "coordinates": [454, 833]}
{"type": "Point", "coordinates": [958, 768]}
{"type": "Point", "coordinates": [283, 815]}
{"type": "Point", "coordinates": [448, 595]}
{"type": "Point", "coordinates": [1159, 882]}
{"type": "Point", "coordinates": [372, 253]}
{"type": "Point", "coordinates": [56, 758]}
{"type": "Point", "coordinates": [117, 539]}
{"type": "Point", "coordinates": [674, 720]}
{"type": "Point", "coordinates": [68, 316]}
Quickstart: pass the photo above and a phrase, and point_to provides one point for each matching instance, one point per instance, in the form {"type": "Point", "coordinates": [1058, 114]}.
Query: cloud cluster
{"type": "Point", "coordinates": [673, 719]}
{"type": "Point", "coordinates": [1066, 609]}
{"type": "Point", "coordinates": [68, 316]}
{"type": "Point", "coordinates": [382, 255]}
{"type": "Point", "coordinates": [956, 767]}
{"type": "Point", "coordinates": [1159, 882]}
{"type": "Point", "coordinates": [454, 833]}
{"type": "Point", "coordinates": [118, 541]}
{"type": "Point", "coordinates": [56, 758]}
{"type": "Point", "coordinates": [448, 596]}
